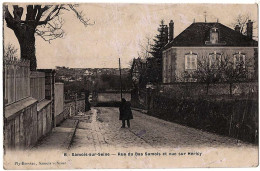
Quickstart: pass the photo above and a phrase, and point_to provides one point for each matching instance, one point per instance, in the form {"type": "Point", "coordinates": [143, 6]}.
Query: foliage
{"type": "Point", "coordinates": [155, 65]}
{"type": "Point", "coordinates": [112, 82]}
{"type": "Point", "coordinates": [204, 114]}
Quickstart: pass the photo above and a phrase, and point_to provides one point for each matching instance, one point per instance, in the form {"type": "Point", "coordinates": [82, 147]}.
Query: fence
{"type": "Point", "coordinates": [17, 80]}
{"type": "Point", "coordinates": [37, 85]}
{"type": "Point", "coordinates": [27, 114]}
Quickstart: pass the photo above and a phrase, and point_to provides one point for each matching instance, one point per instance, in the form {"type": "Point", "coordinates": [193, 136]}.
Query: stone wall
{"type": "Point", "coordinates": [71, 108]}
{"type": "Point", "coordinates": [26, 122]}
{"type": "Point", "coordinates": [200, 89]}
{"type": "Point", "coordinates": [58, 101]}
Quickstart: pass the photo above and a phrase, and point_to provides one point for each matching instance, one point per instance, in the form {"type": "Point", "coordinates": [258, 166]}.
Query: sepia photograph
{"type": "Point", "coordinates": [130, 85]}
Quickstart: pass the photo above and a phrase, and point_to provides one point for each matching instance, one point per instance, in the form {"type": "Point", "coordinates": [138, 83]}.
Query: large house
{"type": "Point", "coordinates": [210, 40]}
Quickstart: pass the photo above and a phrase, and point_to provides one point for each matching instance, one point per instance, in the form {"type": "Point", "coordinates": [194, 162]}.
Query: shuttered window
{"type": "Point", "coordinates": [239, 60]}
{"type": "Point", "coordinates": [191, 61]}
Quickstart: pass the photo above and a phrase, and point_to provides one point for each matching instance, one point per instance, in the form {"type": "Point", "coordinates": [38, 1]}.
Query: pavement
{"type": "Point", "coordinates": [60, 138]}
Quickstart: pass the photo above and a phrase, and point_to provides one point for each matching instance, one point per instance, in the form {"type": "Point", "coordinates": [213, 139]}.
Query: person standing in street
{"type": "Point", "coordinates": [125, 113]}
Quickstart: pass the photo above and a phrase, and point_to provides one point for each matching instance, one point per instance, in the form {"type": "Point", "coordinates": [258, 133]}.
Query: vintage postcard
{"type": "Point", "coordinates": [124, 85]}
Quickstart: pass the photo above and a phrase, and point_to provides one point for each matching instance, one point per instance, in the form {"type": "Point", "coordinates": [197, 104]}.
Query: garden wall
{"type": "Point", "coordinates": [237, 118]}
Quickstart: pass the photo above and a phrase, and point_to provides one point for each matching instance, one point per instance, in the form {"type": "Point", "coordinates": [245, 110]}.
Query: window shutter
{"type": "Point", "coordinates": [210, 60]}
{"type": "Point", "coordinates": [186, 62]}
{"type": "Point", "coordinates": [196, 65]}
{"type": "Point", "coordinates": [244, 61]}
{"type": "Point", "coordinates": [219, 60]}
{"type": "Point", "coordinates": [235, 60]}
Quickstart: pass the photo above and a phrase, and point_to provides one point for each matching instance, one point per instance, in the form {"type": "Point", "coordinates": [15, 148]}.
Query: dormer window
{"type": "Point", "coordinates": [214, 38]}
{"type": "Point", "coordinates": [214, 35]}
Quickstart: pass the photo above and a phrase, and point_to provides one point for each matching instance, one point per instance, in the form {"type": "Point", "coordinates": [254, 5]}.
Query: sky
{"type": "Point", "coordinates": [119, 30]}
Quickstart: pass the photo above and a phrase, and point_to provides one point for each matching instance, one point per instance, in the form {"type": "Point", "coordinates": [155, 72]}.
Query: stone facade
{"type": "Point", "coordinates": [174, 59]}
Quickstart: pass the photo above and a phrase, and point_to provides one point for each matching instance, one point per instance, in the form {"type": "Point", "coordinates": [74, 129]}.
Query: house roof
{"type": "Point", "coordinates": [137, 62]}
{"type": "Point", "coordinates": [198, 33]}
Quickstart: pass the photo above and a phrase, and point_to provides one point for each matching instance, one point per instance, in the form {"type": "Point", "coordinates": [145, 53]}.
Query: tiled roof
{"type": "Point", "coordinates": [198, 33]}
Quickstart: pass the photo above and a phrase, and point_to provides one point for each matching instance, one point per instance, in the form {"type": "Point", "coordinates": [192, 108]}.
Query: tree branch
{"type": "Point", "coordinates": [18, 12]}
{"type": "Point", "coordinates": [51, 31]}
{"type": "Point", "coordinates": [11, 23]}
{"type": "Point", "coordinates": [80, 16]}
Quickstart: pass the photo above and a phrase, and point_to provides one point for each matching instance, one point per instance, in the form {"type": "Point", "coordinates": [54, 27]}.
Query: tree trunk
{"type": "Point", "coordinates": [27, 47]}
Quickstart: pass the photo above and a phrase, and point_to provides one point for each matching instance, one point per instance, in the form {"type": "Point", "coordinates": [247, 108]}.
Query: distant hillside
{"type": "Point", "coordinates": [94, 79]}
{"type": "Point", "coordinates": [65, 71]}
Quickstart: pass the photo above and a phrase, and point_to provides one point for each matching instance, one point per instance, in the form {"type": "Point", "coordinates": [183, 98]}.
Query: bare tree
{"type": "Point", "coordinates": [233, 71]}
{"type": "Point", "coordinates": [42, 20]}
{"type": "Point", "coordinates": [240, 21]}
{"type": "Point", "coordinates": [206, 72]}
{"type": "Point", "coordinates": [145, 51]}
{"type": "Point", "coordinates": [10, 51]}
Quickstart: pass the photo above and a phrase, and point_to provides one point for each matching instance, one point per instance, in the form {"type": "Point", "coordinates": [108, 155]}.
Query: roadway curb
{"type": "Point", "coordinates": [71, 135]}
{"type": "Point", "coordinates": [140, 110]}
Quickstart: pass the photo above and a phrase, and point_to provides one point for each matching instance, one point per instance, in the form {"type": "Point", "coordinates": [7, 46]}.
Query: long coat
{"type": "Point", "coordinates": [125, 111]}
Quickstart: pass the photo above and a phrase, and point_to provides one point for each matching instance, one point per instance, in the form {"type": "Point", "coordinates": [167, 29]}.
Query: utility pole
{"type": "Point", "coordinates": [205, 15]}
{"type": "Point", "coordinates": [120, 80]}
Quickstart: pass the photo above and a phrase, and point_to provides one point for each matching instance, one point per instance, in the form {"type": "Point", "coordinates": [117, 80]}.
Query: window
{"type": "Point", "coordinates": [239, 60]}
{"type": "Point", "coordinates": [214, 60]}
{"type": "Point", "coordinates": [214, 35]}
{"type": "Point", "coordinates": [191, 61]}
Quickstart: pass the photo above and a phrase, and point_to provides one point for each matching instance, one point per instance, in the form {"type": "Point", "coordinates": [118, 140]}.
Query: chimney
{"type": "Point", "coordinates": [249, 29]}
{"type": "Point", "coordinates": [237, 28]}
{"type": "Point", "coordinates": [171, 30]}
{"type": "Point", "coordinates": [166, 34]}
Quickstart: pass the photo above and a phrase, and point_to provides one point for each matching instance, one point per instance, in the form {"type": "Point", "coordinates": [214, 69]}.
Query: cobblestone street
{"type": "Point", "coordinates": [95, 139]}
{"type": "Point", "coordinates": [100, 128]}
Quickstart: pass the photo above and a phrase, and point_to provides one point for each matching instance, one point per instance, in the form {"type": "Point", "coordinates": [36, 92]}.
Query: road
{"type": "Point", "coordinates": [100, 142]}
{"type": "Point", "coordinates": [100, 129]}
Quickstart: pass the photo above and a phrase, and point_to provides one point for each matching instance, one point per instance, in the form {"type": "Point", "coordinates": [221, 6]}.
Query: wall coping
{"type": "Point", "coordinates": [42, 104]}
{"type": "Point", "coordinates": [12, 110]}
{"type": "Point", "coordinates": [69, 101]}
{"type": "Point", "coordinates": [216, 83]}
{"type": "Point", "coordinates": [58, 83]}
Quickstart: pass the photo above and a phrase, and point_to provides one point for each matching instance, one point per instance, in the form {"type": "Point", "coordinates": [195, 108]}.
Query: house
{"type": "Point", "coordinates": [138, 66]}
{"type": "Point", "coordinates": [211, 40]}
